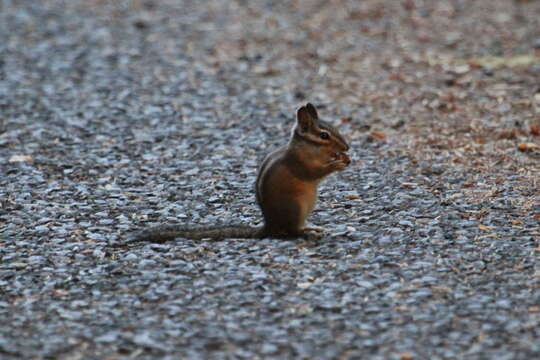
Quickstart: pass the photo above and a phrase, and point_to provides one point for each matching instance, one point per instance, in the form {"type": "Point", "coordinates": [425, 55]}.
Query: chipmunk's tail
{"type": "Point", "coordinates": [170, 232]}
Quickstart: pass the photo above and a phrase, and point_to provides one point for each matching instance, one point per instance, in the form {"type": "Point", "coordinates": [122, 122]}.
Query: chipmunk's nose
{"type": "Point", "coordinates": [346, 146]}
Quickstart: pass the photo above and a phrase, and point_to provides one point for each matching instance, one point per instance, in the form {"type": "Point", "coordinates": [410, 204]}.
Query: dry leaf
{"type": "Point", "coordinates": [528, 146]}
{"type": "Point", "coordinates": [484, 227]}
{"type": "Point", "coordinates": [479, 140]}
{"type": "Point", "coordinates": [60, 292]}
{"type": "Point", "coordinates": [406, 356]}
{"type": "Point", "coordinates": [494, 62]}
{"type": "Point", "coordinates": [535, 129]}
{"type": "Point", "coordinates": [508, 134]}
{"type": "Point", "coordinates": [20, 158]}
{"type": "Point", "coordinates": [378, 135]}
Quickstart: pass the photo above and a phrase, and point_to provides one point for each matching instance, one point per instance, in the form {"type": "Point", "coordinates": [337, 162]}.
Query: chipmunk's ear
{"type": "Point", "coordinates": [306, 117]}
{"type": "Point", "coordinates": [312, 111]}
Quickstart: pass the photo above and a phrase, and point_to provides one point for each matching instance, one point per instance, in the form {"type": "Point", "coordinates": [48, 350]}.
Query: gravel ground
{"type": "Point", "coordinates": [115, 115]}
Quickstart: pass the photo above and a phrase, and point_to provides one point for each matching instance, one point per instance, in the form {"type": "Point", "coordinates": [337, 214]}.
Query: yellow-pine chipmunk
{"type": "Point", "coordinates": [286, 187]}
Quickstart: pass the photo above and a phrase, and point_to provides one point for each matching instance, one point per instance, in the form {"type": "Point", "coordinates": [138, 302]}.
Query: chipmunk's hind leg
{"type": "Point", "coordinates": [285, 221]}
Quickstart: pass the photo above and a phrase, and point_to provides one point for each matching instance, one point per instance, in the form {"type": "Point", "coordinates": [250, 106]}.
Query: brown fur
{"type": "Point", "coordinates": [286, 187]}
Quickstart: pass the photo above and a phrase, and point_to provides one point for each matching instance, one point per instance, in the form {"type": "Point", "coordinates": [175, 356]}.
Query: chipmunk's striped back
{"type": "Point", "coordinates": [286, 186]}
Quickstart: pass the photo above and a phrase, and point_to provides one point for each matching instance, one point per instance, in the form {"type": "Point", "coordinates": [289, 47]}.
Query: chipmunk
{"type": "Point", "coordinates": [286, 186]}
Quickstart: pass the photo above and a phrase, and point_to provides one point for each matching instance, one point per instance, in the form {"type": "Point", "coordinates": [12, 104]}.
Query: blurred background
{"type": "Point", "coordinates": [454, 76]}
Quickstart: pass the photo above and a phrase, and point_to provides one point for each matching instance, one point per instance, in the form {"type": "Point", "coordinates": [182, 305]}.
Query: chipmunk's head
{"type": "Point", "coordinates": [325, 140]}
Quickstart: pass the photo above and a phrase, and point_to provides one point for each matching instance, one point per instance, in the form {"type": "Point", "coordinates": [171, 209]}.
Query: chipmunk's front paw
{"type": "Point", "coordinates": [340, 161]}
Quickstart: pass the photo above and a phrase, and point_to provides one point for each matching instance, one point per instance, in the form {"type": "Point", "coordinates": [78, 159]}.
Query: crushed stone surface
{"type": "Point", "coordinates": [118, 115]}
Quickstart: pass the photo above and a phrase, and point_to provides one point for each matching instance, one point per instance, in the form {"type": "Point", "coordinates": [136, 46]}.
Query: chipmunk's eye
{"type": "Point", "coordinates": [324, 135]}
